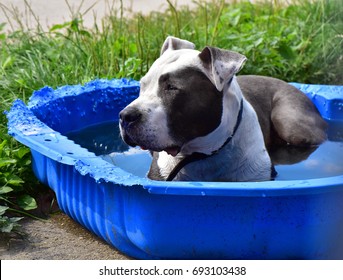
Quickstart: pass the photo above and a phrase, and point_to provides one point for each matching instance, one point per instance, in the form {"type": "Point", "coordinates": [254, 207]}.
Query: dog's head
{"type": "Point", "coordinates": [181, 97]}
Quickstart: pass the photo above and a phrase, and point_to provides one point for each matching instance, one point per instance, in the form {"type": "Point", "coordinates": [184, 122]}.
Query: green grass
{"type": "Point", "coordinates": [300, 42]}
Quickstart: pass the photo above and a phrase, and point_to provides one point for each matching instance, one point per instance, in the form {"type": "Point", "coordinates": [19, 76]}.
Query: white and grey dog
{"type": "Point", "coordinates": [203, 123]}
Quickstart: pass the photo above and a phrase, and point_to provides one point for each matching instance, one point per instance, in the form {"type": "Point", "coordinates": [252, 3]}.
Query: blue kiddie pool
{"type": "Point", "coordinates": [101, 183]}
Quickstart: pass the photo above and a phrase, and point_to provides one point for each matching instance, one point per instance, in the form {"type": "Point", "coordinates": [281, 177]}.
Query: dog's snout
{"type": "Point", "coordinates": [129, 115]}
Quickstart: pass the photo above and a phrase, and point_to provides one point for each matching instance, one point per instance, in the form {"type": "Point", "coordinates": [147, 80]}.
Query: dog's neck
{"type": "Point", "coordinates": [199, 156]}
{"type": "Point", "coordinates": [229, 156]}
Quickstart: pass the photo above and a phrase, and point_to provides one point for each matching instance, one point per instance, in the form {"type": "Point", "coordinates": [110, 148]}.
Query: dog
{"type": "Point", "coordinates": [201, 122]}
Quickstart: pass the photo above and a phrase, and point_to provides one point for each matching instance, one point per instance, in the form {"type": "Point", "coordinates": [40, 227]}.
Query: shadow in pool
{"type": "Point", "coordinates": [287, 155]}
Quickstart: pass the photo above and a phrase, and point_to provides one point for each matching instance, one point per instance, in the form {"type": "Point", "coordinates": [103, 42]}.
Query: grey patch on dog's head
{"type": "Point", "coordinates": [173, 43]}
{"type": "Point", "coordinates": [194, 108]}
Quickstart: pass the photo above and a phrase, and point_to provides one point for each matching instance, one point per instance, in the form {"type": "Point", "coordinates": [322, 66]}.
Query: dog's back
{"type": "Point", "coordinates": [286, 115]}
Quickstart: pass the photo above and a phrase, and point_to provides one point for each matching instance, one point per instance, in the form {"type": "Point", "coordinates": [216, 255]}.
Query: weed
{"type": "Point", "coordinates": [14, 169]}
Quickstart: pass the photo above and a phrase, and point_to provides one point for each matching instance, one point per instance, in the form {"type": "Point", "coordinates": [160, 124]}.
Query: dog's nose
{"type": "Point", "coordinates": [129, 115]}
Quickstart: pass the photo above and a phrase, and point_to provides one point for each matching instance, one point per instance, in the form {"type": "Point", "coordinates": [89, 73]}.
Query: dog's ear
{"type": "Point", "coordinates": [221, 65]}
{"type": "Point", "coordinates": [173, 43]}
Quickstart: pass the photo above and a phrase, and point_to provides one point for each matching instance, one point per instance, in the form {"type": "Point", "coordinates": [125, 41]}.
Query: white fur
{"type": "Point", "coordinates": [166, 163]}
{"type": "Point", "coordinates": [156, 128]}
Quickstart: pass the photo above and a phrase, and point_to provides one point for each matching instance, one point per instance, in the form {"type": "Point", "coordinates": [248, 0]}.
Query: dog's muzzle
{"type": "Point", "coordinates": [128, 119]}
{"type": "Point", "coordinates": [129, 116]}
{"type": "Point", "coordinates": [135, 131]}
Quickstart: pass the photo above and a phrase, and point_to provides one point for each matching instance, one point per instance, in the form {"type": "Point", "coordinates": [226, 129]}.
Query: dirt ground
{"type": "Point", "coordinates": [58, 238]}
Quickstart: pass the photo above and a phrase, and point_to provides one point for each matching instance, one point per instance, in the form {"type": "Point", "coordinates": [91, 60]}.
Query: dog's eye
{"type": "Point", "coordinates": [170, 87]}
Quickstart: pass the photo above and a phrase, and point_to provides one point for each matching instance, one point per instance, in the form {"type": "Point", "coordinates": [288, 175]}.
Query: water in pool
{"type": "Point", "coordinates": [100, 139]}
{"type": "Point", "coordinates": [290, 163]}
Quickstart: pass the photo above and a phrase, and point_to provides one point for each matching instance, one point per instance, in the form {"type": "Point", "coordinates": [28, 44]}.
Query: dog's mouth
{"type": "Point", "coordinates": [172, 150]}
{"type": "Point", "coordinates": [128, 140]}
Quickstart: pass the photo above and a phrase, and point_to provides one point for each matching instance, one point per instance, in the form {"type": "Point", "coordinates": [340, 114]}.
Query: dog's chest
{"type": "Point", "coordinates": [166, 163]}
{"type": "Point", "coordinates": [214, 168]}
